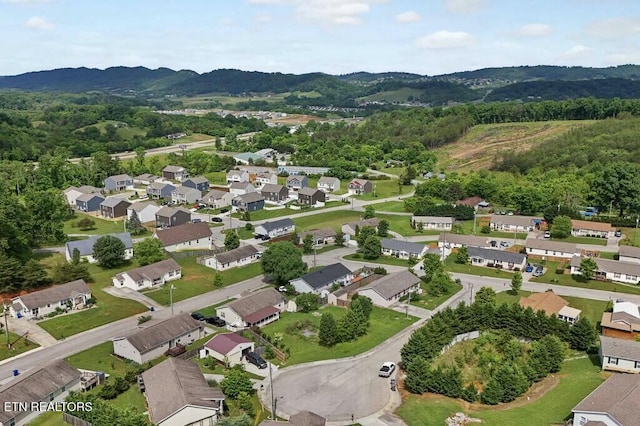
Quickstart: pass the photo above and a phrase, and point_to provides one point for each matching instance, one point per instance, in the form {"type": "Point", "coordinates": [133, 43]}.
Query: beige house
{"type": "Point", "coordinates": [328, 184]}
{"type": "Point", "coordinates": [588, 228]}
{"type": "Point", "coordinates": [550, 250]}
{"type": "Point", "coordinates": [190, 236]}
{"type": "Point", "coordinates": [228, 348]}
{"type": "Point", "coordinates": [217, 198]}
{"type": "Point", "coordinates": [73, 295]}
{"type": "Point", "coordinates": [240, 256]}
{"type": "Point", "coordinates": [321, 237]}
{"type": "Point", "coordinates": [514, 223]}
{"type": "Point", "coordinates": [552, 305]}
{"type": "Point", "coordinates": [611, 270]}
{"type": "Point", "coordinates": [390, 288]}
{"type": "Point", "coordinates": [433, 222]}
{"type": "Point", "coordinates": [629, 254]}
{"type": "Point", "coordinates": [623, 322]}
{"type": "Point", "coordinates": [257, 309]}
{"type": "Point", "coordinates": [350, 228]}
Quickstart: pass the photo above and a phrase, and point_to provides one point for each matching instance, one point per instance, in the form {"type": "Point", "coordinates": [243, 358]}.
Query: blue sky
{"type": "Point", "coordinates": [334, 36]}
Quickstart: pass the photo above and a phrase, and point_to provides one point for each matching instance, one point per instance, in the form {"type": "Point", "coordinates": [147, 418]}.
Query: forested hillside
{"type": "Point", "coordinates": [547, 72]}
{"type": "Point", "coordinates": [561, 90]}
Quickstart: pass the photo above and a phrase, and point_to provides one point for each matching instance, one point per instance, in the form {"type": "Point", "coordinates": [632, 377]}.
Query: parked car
{"type": "Point", "coordinates": [217, 321]}
{"type": "Point", "coordinates": [265, 238]}
{"type": "Point", "coordinates": [282, 289]}
{"type": "Point", "coordinates": [547, 234]}
{"type": "Point", "coordinates": [196, 220]}
{"type": "Point", "coordinates": [216, 219]}
{"type": "Point", "coordinates": [539, 271]}
{"type": "Point", "coordinates": [256, 360]}
{"type": "Point", "coordinates": [493, 243]}
{"type": "Point", "coordinates": [504, 244]}
{"type": "Point", "coordinates": [224, 210]}
{"type": "Point", "coordinates": [618, 233]}
{"type": "Point", "coordinates": [386, 369]}
{"type": "Point", "coordinates": [528, 268]}
{"type": "Point", "coordinates": [197, 316]}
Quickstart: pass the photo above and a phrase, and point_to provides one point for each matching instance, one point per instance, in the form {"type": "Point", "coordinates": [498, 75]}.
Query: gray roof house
{"type": "Point", "coordinates": [167, 217]}
{"type": "Point", "coordinates": [217, 198]}
{"type": "Point", "coordinates": [185, 195]}
{"type": "Point", "coordinates": [459, 240]}
{"type": "Point", "coordinates": [177, 392]}
{"type": "Point", "coordinates": [118, 183]}
{"type": "Point", "coordinates": [612, 270]}
{"type": "Point", "coordinates": [297, 182]}
{"type": "Point", "coordinates": [175, 173]}
{"type": "Point", "coordinates": [311, 196]}
{"type": "Point", "coordinates": [274, 193]}
{"type": "Point", "coordinates": [114, 207]}
{"type": "Point", "coordinates": [200, 183]}
{"type": "Point", "coordinates": [551, 250]}
{"type": "Point", "coordinates": [49, 382]}
{"type": "Point", "coordinates": [360, 186]}
{"type": "Point", "coordinates": [191, 236]}
{"type": "Point", "coordinates": [145, 179]}
{"type": "Point", "coordinates": [321, 280]}
{"type": "Point", "coordinates": [155, 274]}
{"type": "Point", "coordinates": [619, 355]}
{"type": "Point", "coordinates": [629, 254]}
{"type": "Point", "coordinates": [613, 403]}
{"type": "Point", "coordinates": [276, 228]}
{"type": "Point", "coordinates": [241, 188]}
{"type": "Point", "coordinates": [154, 338]}
{"type": "Point", "coordinates": [320, 237]}
{"type": "Point", "coordinates": [433, 222]}
{"type": "Point", "coordinates": [89, 202]}
{"type": "Point", "coordinates": [390, 288]}
{"type": "Point", "coordinates": [73, 295]}
{"type": "Point", "coordinates": [85, 247]}
{"type": "Point", "coordinates": [328, 184]}
{"type": "Point", "coordinates": [240, 256]}
{"type": "Point", "coordinates": [237, 176]}
{"type": "Point", "coordinates": [72, 192]}
{"type": "Point", "coordinates": [307, 170]}
{"type": "Point", "coordinates": [249, 202]}
{"type": "Point", "coordinates": [496, 258]}
{"type": "Point", "coordinates": [159, 190]}
{"type": "Point", "coordinates": [402, 249]}
{"type": "Point", "coordinates": [350, 228]}
{"type": "Point", "coordinates": [256, 309]}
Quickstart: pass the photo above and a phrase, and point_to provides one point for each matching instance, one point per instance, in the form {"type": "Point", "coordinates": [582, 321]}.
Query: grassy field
{"type": "Point", "coordinates": [385, 189]}
{"type": "Point", "coordinates": [101, 227]}
{"type": "Point", "coordinates": [399, 95]}
{"type": "Point", "coordinates": [384, 323]}
{"type": "Point", "coordinates": [577, 379]}
{"type": "Point", "coordinates": [390, 206]}
{"type": "Point", "coordinates": [217, 178]}
{"type": "Point", "coordinates": [18, 346]}
{"type": "Point", "coordinates": [427, 301]}
{"type": "Point", "coordinates": [334, 220]}
{"type": "Point", "coordinates": [275, 213]}
{"type": "Point", "coordinates": [100, 358]}
{"type": "Point", "coordinates": [382, 260]}
{"type": "Point", "coordinates": [243, 233]}
{"type": "Point", "coordinates": [632, 237]}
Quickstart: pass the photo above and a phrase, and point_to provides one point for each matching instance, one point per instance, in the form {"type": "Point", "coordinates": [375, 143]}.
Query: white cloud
{"type": "Point", "coordinates": [341, 12]}
{"type": "Point", "coordinates": [536, 30]}
{"type": "Point", "coordinates": [408, 16]}
{"type": "Point", "coordinates": [227, 22]}
{"type": "Point", "coordinates": [446, 40]}
{"type": "Point", "coordinates": [614, 27]}
{"type": "Point", "coordinates": [464, 6]}
{"type": "Point", "coordinates": [263, 18]}
{"type": "Point", "coordinates": [577, 52]}
{"type": "Point", "coordinates": [38, 23]}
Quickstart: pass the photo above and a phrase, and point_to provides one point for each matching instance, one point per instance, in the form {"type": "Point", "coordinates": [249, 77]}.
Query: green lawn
{"type": "Point", "coordinates": [578, 378]}
{"type": "Point", "coordinates": [217, 178]}
{"type": "Point", "coordinates": [18, 346]}
{"type": "Point", "coordinates": [390, 206]}
{"type": "Point", "coordinates": [211, 311]}
{"type": "Point", "coordinates": [582, 240]}
{"type": "Point", "coordinates": [383, 260]}
{"type": "Point", "coordinates": [243, 233]}
{"type": "Point", "coordinates": [49, 418]}
{"type": "Point", "coordinates": [274, 213]}
{"type": "Point", "coordinates": [450, 265]}
{"type": "Point", "coordinates": [427, 301]}
{"type": "Point", "coordinates": [334, 220]}
{"type": "Point", "coordinates": [101, 226]}
{"type": "Point", "coordinates": [550, 276]}
{"type": "Point", "coordinates": [100, 358]}
{"type": "Point", "coordinates": [384, 323]}
{"type": "Point", "coordinates": [385, 189]}
{"type": "Point", "coordinates": [198, 279]}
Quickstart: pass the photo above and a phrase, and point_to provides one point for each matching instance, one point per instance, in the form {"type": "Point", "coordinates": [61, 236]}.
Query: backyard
{"type": "Point", "coordinates": [101, 226]}
{"type": "Point", "coordinates": [385, 189]}
{"type": "Point", "coordinates": [275, 213]}
{"type": "Point", "coordinates": [426, 301]}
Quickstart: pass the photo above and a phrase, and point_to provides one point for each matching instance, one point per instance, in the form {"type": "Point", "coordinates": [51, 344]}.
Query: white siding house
{"type": "Point", "coordinates": [71, 296]}
{"type": "Point", "coordinates": [550, 250]}
{"type": "Point", "coordinates": [402, 249]}
{"type": "Point", "coordinates": [228, 348]}
{"type": "Point", "coordinates": [85, 247]}
{"type": "Point", "coordinates": [145, 210]}
{"type": "Point", "coordinates": [389, 289]}
{"type": "Point", "coordinates": [276, 228]}
{"type": "Point", "coordinates": [240, 256]}
{"type": "Point", "coordinates": [434, 222]}
{"type": "Point", "coordinates": [619, 355]}
{"type": "Point", "coordinates": [190, 236]}
{"type": "Point", "coordinates": [612, 270]}
{"type": "Point", "coordinates": [613, 403]}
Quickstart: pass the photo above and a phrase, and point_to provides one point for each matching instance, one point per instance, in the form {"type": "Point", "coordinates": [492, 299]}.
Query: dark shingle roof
{"type": "Point", "coordinates": [236, 254]}
{"type": "Point", "coordinates": [497, 255]}
{"type": "Point", "coordinates": [55, 294]}
{"type": "Point", "coordinates": [272, 188]}
{"type": "Point", "coordinates": [153, 271]}
{"type": "Point", "coordinates": [557, 246]}
{"type": "Point", "coordinates": [277, 224]}
{"type": "Point", "coordinates": [199, 179]}
{"type": "Point", "coordinates": [88, 197]}
{"type": "Point", "coordinates": [156, 334]}
{"type": "Point", "coordinates": [408, 246]}
{"type": "Point", "coordinates": [114, 201]}
{"type": "Point", "coordinates": [390, 285]}
{"type": "Point", "coordinates": [250, 197]}
{"type": "Point", "coordinates": [326, 275]}
{"type": "Point", "coordinates": [248, 305]}
{"type": "Point", "coordinates": [308, 191]}
{"type": "Point", "coordinates": [85, 247]}
{"type": "Point", "coordinates": [620, 348]}
{"type": "Point", "coordinates": [183, 233]}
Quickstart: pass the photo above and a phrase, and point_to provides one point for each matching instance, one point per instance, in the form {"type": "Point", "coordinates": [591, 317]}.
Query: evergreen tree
{"type": "Point", "coordinates": [582, 335]}
{"type": "Point", "coordinates": [328, 331]}
{"type": "Point", "coordinates": [588, 268]}
{"type": "Point", "coordinates": [516, 283]}
{"type": "Point", "coordinates": [383, 228]}
{"type": "Point", "coordinates": [365, 233]}
{"type": "Point", "coordinates": [372, 248]}
{"type": "Point", "coordinates": [307, 244]}
{"type": "Point", "coordinates": [231, 240]}
{"type": "Point", "coordinates": [134, 226]}
{"type": "Point", "coordinates": [492, 393]}
{"type": "Point", "coordinates": [462, 257]}
{"type": "Point", "coordinates": [217, 280]}
{"type": "Point", "coordinates": [339, 240]}
{"type": "Point", "coordinates": [369, 212]}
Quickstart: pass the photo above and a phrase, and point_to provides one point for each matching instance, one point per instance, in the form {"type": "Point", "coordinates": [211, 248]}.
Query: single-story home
{"type": "Point", "coordinates": [168, 217]}
{"type": "Point", "coordinates": [390, 288]}
{"type": "Point", "coordinates": [623, 322]}
{"type": "Point", "coordinates": [114, 207]}
{"type": "Point", "coordinates": [459, 240]}
{"type": "Point", "coordinates": [613, 403]}
{"type": "Point", "coordinates": [249, 202]}
{"type": "Point", "coordinates": [297, 182]}
{"type": "Point", "coordinates": [241, 188]}
{"type": "Point", "coordinates": [321, 280]}
{"type": "Point", "coordinates": [402, 249]}
{"type": "Point", "coordinates": [118, 183]}
{"type": "Point", "coordinates": [629, 254]}
{"type": "Point", "coordinates": [321, 237]}
{"type": "Point", "coordinates": [146, 211]}
{"type": "Point", "coordinates": [72, 193]}
{"type": "Point", "coordinates": [350, 228]}
{"type": "Point", "coordinates": [257, 309]}
{"type": "Point", "coordinates": [611, 270]}
{"type": "Point", "coordinates": [276, 228]}
{"type": "Point", "coordinates": [190, 236]}
{"type": "Point", "coordinates": [178, 394]}
{"type": "Point", "coordinates": [267, 153]}
{"type": "Point", "coordinates": [550, 250]}
{"type": "Point", "coordinates": [228, 348]}
{"type": "Point", "coordinates": [328, 184]}
{"type": "Point", "coordinates": [619, 355]}
{"type": "Point", "coordinates": [155, 274]}
{"type": "Point", "coordinates": [475, 202]}
{"type": "Point", "coordinates": [515, 223]}
{"type": "Point", "coordinates": [589, 228]}
{"type": "Point", "coordinates": [360, 186]}
{"type": "Point", "coordinates": [311, 196]}
{"type": "Point", "coordinates": [72, 295]}
{"type": "Point", "coordinates": [154, 338]}
{"type": "Point", "coordinates": [89, 202]}
{"type": "Point", "coordinates": [145, 179]}
{"type": "Point", "coordinates": [237, 176]}
{"type": "Point", "coordinates": [274, 193]}
{"type": "Point", "coordinates": [85, 247]}
{"type": "Point", "coordinates": [175, 173]}
{"type": "Point", "coordinates": [44, 383]}
{"type": "Point", "coordinates": [240, 256]}
{"type": "Point", "coordinates": [217, 198]}
{"type": "Point", "coordinates": [497, 258]}
{"type": "Point", "coordinates": [200, 183]}
{"type": "Point", "coordinates": [185, 195]}
{"type": "Point", "coordinates": [433, 222]}
{"type": "Point", "coordinates": [551, 304]}
{"type": "Point", "coordinates": [302, 170]}
{"type": "Point", "coordinates": [160, 190]}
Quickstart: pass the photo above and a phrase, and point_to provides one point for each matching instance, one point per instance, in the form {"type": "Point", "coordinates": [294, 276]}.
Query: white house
{"type": "Point", "coordinates": [265, 178]}
{"type": "Point", "coordinates": [514, 223]}
{"type": "Point", "coordinates": [434, 222]}
{"type": "Point", "coordinates": [146, 211]}
{"type": "Point", "coordinates": [178, 394]}
{"type": "Point", "coordinates": [73, 295]}
{"type": "Point", "coordinates": [217, 198]}
{"type": "Point", "coordinates": [185, 195]}
{"type": "Point", "coordinates": [458, 240]}
{"type": "Point", "coordinates": [629, 254]}
{"type": "Point", "coordinates": [321, 280]}
{"type": "Point", "coordinates": [402, 249]}
{"type": "Point", "coordinates": [497, 258]}
{"type": "Point", "coordinates": [257, 309]}
{"type": "Point", "coordinates": [619, 355]}
{"type": "Point", "coordinates": [190, 236]}
{"type": "Point", "coordinates": [240, 256]}
{"type": "Point", "coordinates": [72, 193]}
{"type": "Point", "coordinates": [550, 250]}
{"type": "Point", "coordinates": [155, 274]}
{"type": "Point", "coordinates": [228, 348]}
{"type": "Point", "coordinates": [328, 184]}
{"type": "Point", "coordinates": [241, 188]}
{"type": "Point", "coordinates": [237, 176]}
{"type": "Point", "coordinates": [613, 403]}
{"type": "Point", "coordinates": [276, 228]}
{"type": "Point", "coordinates": [612, 270]}
{"type": "Point", "coordinates": [153, 339]}
{"type": "Point", "coordinates": [589, 228]}
{"type": "Point", "coordinates": [85, 247]}
{"type": "Point", "coordinates": [390, 288]}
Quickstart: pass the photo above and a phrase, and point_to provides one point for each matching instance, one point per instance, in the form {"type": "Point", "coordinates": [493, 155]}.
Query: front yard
{"type": "Point", "coordinates": [101, 226]}
{"type": "Point", "coordinates": [385, 189]}
{"type": "Point", "coordinates": [582, 240]}
{"type": "Point", "coordinates": [450, 265]}
{"type": "Point", "coordinates": [384, 323]}
{"type": "Point", "coordinates": [19, 345]}
{"type": "Point", "coordinates": [333, 220]}
{"type": "Point", "coordinates": [382, 260]}
{"type": "Point", "coordinates": [276, 213]}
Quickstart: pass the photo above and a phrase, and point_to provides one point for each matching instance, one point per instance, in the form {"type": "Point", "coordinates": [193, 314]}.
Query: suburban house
{"type": "Point", "coordinates": [217, 198]}
{"type": "Point", "coordinates": [475, 202]}
{"type": "Point", "coordinates": [613, 403]}
{"type": "Point", "coordinates": [360, 186]}
{"type": "Point", "coordinates": [515, 223]}
{"type": "Point", "coordinates": [611, 270]}
{"type": "Point", "coordinates": [257, 309]}
{"type": "Point", "coordinates": [178, 394]}
{"type": "Point", "coordinates": [390, 288]}
{"type": "Point", "coordinates": [118, 183]}
{"type": "Point", "coordinates": [297, 182]}
{"type": "Point", "coordinates": [321, 237]}
{"type": "Point", "coordinates": [550, 250]}
{"type": "Point", "coordinates": [350, 228]}
{"type": "Point", "coordinates": [159, 190]}
{"type": "Point", "coordinates": [45, 383]}
{"type": "Point", "coordinates": [267, 153]}
{"type": "Point", "coordinates": [175, 173]}
{"type": "Point", "coordinates": [237, 176]}
{"type": "Point", "coordinates": [276, 228]}
{"type": "Point", "coordinates": [228, 348]}
{"type": "Point", "coordinates": [629, 254]}
{"type": "Point", "coordinates": [240, 256]}
{"type": "Point", "coordinates": [241, 188]}
{"type": "Point", "coordinates": [185, 195]}
{"type": "Point", "coordinates": [89, 202]}
{"type": "Point", "coordinates": [72, 295]}
{"type": "Point", "coordinates": [623, 322]}
{"type": "Point", "coordinates": [497, 258]}
{"type": "Point", "coordinates": [155, 274]}
{"type": "Point", "coordinates": [311, 196]}
{"type": "Point", "coordinates": [433, 222]}
{"type": "Point", "coordinates": [551, 304]}
{"type": "Point", "coordinates": [402, 249]}
{"type": "Point", "coordinates": [114, 207]}
{"type": "Point", "coordinates": [85, 247]}
{"type": "Point", "coordinates": [274, 193]}
{"type": "Point", "coordinates": [167, 217]}
{"type": "Point", "coordinates": [154, 339]}
{"type": "Point", "coordinates": [588, 228]}
{"type": "Point", "coordinates": [72, 193]}
{"type": "Point", "coordinates": [302, 170]}
{"type": "Point", "coordinates": [200, 183]}
{"type": "Point", "coordinates": [248, 202]}
{"type": "Point", "coordinates": [188, 236]}
{"type": "Point", "coordinates": [145, 179]}
{"type": "Point", "coordinates": [246, 158]}
{"type": "Point", "coordinates": [265, 178]}
{"type": "Point", "coordinates": [146, 211]}
{"type": "Point", "coordinates": [619, 355]}
{"type": "Point", "coordinates": [459, 240]}
{"type": "Point", "coordinates": [329, 184]}
{"type": "Point", "coordinates": [321, 280]}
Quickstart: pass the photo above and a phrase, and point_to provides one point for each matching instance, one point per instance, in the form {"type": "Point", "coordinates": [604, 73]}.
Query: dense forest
{"type": "Point", "coordinates": [561, 90]}
{"type": "Point", "coordinates": [546, 72]}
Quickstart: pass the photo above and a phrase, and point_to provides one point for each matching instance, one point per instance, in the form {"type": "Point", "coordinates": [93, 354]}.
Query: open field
{"type": "Point", "coordinates": [211, 100]}
{"type": "Point", "coordinates": [101, 226]}
{"type": "Point", "coordinates": [385, 189]}
{"type": "Point", "coordinates": [482, 144]}
{"type": "Point", "coordinates": [382, 260]}
{"type": "Point", "coordinates": [390, 206]}
{"type": "Point", "coordinates": [333, 220]}
{"type": "Point", "coordinates": [632, 237]}
{"type": "Point", "coordinates": [125, 132]}
{"type": "Point", "coordinates": [399, 95]}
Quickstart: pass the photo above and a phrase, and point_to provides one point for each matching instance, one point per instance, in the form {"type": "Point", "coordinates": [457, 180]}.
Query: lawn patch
{"type": "Point", "coordinates": [101, 226]}
{"type": "Point", "coordinates": [450, 265]}
{"type": "Point", "coordinates": [19, 345]}
{"type": "Point", "coordinates": [333, 220]}
{"type": "Point", "coordinates": [383, 260]}
{"type": "Point", "coordinates": [101, 358]}
{"type": "Point", "coordinates": [390, 206]}
{"type": "Point", "coordinates": [385, 189]}
{"type": "Point", "coordinates": [427, 301]}
{"type": "Point", "coordinates": [550, 276]}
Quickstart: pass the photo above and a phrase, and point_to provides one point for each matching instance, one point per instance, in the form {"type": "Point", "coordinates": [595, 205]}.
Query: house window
{"type": "Point", "coordinates": [616, 276]}
{"type": "Point", "coordinates": [51, 397]}
{"type": "Point", "coordinates": [613, 361]}
{"type": "Point", "coordinates": [637, 364]}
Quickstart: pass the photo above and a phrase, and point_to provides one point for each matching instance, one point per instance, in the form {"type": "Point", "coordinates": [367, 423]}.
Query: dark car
{"type": "Point", "coordinates": [529, 268]}
{"type": "Point", "coordinates": [217, 321]}
{"type": "Point", "coordinates": [216, 219]}
{"type": "Point", "coordinates": [197, 316]}
{"type": "Point", "coordinates": [618, 233]}
{"type": "Point", "coordinates": [256, 360]}
{"type": "Point", "coordinates": [224, 210]}
{"type": "Point", "coordinates": [265, 238]}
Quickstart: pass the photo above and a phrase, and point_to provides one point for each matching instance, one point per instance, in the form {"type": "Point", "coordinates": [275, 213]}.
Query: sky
{"type": "Point", "coordinates": [427, 37]}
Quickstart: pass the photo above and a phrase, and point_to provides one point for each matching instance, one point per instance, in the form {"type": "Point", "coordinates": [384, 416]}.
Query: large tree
{"type": "Point", "coordinates": [283, 262]}
{"type": "Point", "coordinates": [365, 233]}
{"type": "Point", "coordinates": [588, 268]}
{"type": "Point", "coordinates": [149, 250]}
{"type": "Point", "coordinates": [328, 330]}
{"type": "Point", "coordinates": [134, 226]}
{"type": "Point", "coordinates": [235, 382]}
{"type": "Point", "coordinates": [48, 210]}
{"type": "Point", "coordinates": [231, 240]}
{"type": "Point", "coordinates": [516, 283]}
{"type": "Point", "coordinates": [109, 251]}
{"type": "Point", "coordinates": [582, 335]}
{"type": "Point", "coordinates": [561, 227]}
{"type": "Point", "coordinates": [372, 248]}
{"type": "Point", "coordinates": [383, 228]}
{"type": "Point", "coordinates": [618, 185]}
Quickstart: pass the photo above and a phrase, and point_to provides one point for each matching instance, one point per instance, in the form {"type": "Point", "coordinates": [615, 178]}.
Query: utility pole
{"type": "Point", "coordinates": [474, 222]}
{"type": "Point", "coordinates": [635, 235]}
{"type": "Point", "coordinates": [273, 399]}
{"type": "Point", "coordinates": [6, 324]}
{"type": "Point", "coordinates": [315, 249]}
{"type": "Point", "coordinates": [471, 295]}
{"type": "Point", "coordinates": [171, 287]}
